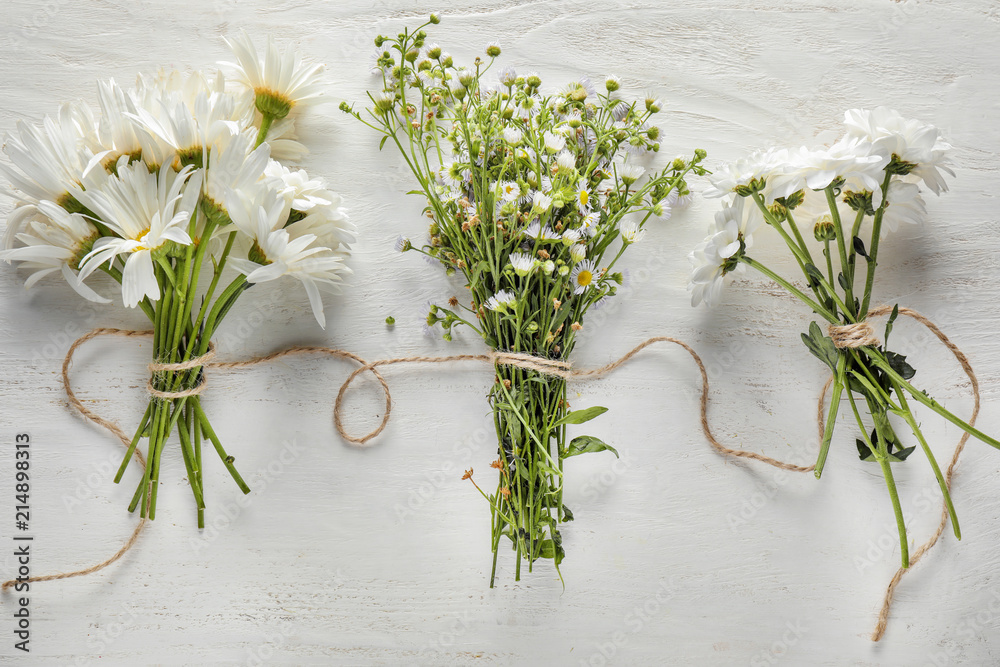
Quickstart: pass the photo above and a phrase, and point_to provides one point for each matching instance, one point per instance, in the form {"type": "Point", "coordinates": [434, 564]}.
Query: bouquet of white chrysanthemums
{"type": "Point", "coordinates": [833, 207]}
{"type": "Point", "coordinates": [530, 196]}
{"type": "Point", "coordinates": [174, 181]}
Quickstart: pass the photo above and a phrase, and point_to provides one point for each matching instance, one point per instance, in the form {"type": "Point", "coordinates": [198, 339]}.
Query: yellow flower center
{"type": "Point", "coordinates": [584, 197]}
{"type": "Point", "coordinates": [584, 278]}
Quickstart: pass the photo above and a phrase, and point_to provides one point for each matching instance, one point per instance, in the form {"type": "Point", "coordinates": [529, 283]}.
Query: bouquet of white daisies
{"type": "Point", "coordinates": [175, 181]}
{"type": "Point", "coordinates": [832, 207]}
{"type": "Point", "coordinates": [533, 199]}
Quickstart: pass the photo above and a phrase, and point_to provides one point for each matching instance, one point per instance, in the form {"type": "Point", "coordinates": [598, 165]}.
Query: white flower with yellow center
{"type": "Point", "coordinates": [582, 277]}
{"type": "Point", "coordinates": [279, 79]}
{"type": "Point", "coordinates": [582, 197]}
{"type": "Point", "coordinates": [631, 232]}
{"type": "Point", "coordinates": [275, 252]}
{"type": "Point", "coordinates": [146, 211]}
{"type": "Point", "coordinates": [54, 240]}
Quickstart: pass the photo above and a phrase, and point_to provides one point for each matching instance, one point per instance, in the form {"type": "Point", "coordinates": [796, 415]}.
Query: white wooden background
{"type": "Point", "coordinates": [381, 556]}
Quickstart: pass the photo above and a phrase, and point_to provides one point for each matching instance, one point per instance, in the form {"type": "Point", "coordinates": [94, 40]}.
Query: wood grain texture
{"type": "Point", "coordinates": [381, 557]}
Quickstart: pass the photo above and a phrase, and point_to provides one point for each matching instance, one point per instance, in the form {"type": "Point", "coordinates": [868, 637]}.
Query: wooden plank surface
{"type": "Point", "coordinates": [380, 556]}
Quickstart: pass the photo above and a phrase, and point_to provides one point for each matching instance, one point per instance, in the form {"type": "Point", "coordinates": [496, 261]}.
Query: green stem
{"type": "Point", "coordinates": [831, 418]}
{"type": "Point", "coordinates": [818, 309]}
{"type": "Point", "coordinates": [907, 416]}
{"type": "Point", "coordinates": [227, 460]}
{"type": "Point", "coordinates": [923, 398]}
{"type": "Point", "coordinates": [873, 251]}
{"type": "Point", "coordinates": [880, 455]}
{"type": "Point", "coordinates": [265, 126]}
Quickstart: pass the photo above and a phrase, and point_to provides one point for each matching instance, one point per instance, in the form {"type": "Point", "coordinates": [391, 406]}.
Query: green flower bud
{"type": "Point", "coordinates": [653, 132]}
{"type": "Point", "coordinates": [390, 320]}
{"type": "Point", "coordinates": [434, 19]}
{"type": "Point", "coordinates": [824, 229]}
{"type": "Point", "coordinates": [534, 81]}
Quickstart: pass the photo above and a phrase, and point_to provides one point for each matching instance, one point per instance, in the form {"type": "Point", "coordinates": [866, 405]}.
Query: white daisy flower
{"type": "Point", "coordinates": [300, 192]}
{"type": "Point", "coordinates": [315, 266]}
{"type": "Point", "coordinates": [189, 129]}
{"type": "Point", "coordinates": [582, 196]}
{"type": "Point", "coordinates": [54, 240]}
{"type": "Point", "coordinates": [535, 231]}
{"type": "Point", "coordinates": [571, 236]}
{"type": "Point", "coordinates": [815, 169]}
{"type": "Point", "coordinates": [906, 205]}
{"type": "Point", "coordinates": [708, 277]}
{"type": "Point", "coordinates": [756, 167]}
{"type": "Point", "coordinates": [507, 76]}
{"type": "Point", "coordinates": [554, 142]}
{"type": "Point", "coordinates": [500, 301]}
{"type": "Point", "coordinates": [566, 161]}
{"type": "Point", "coordinates": [912, 141]}
{"type": "Point", "coordinates": [523, 263]}
{"type": "Point", "coordinates": [509, 191]}
{"type": "Point", "coordinates": [147, 211]}
{"type": "Point", "coordinates": [512, 135]}
{"type": "Point", "coordinates": [629, 173]}
{"type": "Point", "coordinates": [578, 252]}
{"type": "Point", "coordinates": [48, 162]}
{"type": "Point", "coordinates": [631, 232]}
{"type": "Point", "coordinates": [589, 223]}
{"type": "Point", "coordinates": [234, 164]}
{"type": "Point", "coordinates": [279, 79]}
{"type": "Point", "coordinates": [541, 202]}
{"type": "Point", "coordinates": [582, 277]}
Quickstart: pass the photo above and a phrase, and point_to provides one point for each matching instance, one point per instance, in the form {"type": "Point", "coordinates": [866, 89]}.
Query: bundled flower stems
{"type": "Point", "coordinates": [175, 182]}
{"type": "Point", "coordinates": [833, 207]}
{"type": "Point", "coordinates": [530, 196]}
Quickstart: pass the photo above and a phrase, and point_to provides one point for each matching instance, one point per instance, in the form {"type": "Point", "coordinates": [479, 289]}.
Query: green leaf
{"type": "Point", "coordinates": [581, 416]}
{"type": "Point", "coordinates": [567, 515]}
{"type": "Point", "coordinates": [888, 324]}
{"type": "Point", "coordinates": [815, 274]}
{"type": "Point", "coordinates": [382, 143]}
{"type": "Point", "coordinates": [821, 346]}
{"type": "Point", "coordinates": [864, 453]}
{"type": "Point", "coordinates": [548, 549]}
{"type": "Point", "coordinates": [842, 279]}
{"type": "Point", "coordinates": [897, 362]}
{"type": "Point", "coordinates": [901, 454]}
{"type": "Point", "coordinates": [859, 247]}
{"type": "Point", "coordinates": [585, 444]}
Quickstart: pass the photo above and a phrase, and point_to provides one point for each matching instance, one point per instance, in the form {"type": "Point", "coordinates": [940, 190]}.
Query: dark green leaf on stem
{"type": "Point", "coordinates": [585, 444]}
{"type": "Point", "coordinates": [581, 416]}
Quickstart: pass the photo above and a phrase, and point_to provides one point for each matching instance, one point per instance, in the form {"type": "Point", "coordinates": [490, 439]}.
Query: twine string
{"type": "Point", "coordinates": [846, 336]}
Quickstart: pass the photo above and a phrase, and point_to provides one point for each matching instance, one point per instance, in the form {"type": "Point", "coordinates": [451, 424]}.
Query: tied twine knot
{"type": "Point", "coordinates": [858, 334]}
{"type": "Point", "coordinates": [844, 336]}
{"type": "Point", "coordinates": [198, 362]}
